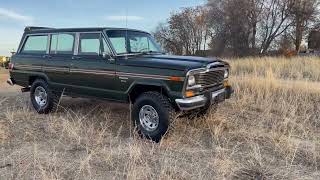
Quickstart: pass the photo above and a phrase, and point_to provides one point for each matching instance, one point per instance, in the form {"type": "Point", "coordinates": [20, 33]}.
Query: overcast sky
{"type": "Point", "coordinates": [142, 14]}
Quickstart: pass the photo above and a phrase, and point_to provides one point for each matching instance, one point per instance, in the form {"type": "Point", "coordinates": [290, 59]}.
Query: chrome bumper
{"type": "Point", "coordinates": [202, 100]}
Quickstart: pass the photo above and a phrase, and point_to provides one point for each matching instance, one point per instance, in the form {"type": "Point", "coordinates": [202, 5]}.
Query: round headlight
{"type": "Point", "coordinates": [226, 73]}
{"type": "Point", "coordinates": [191, 81]}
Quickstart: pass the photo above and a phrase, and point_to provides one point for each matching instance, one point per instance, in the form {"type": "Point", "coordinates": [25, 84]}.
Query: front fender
{"type": "Point", "coordinates": [168, 89]}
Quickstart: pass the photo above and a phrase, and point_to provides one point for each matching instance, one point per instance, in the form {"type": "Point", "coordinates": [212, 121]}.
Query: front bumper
{"type": "Point", "coordinates": [203, 100]}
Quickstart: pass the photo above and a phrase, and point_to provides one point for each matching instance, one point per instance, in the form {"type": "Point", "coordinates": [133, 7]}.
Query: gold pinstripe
{"type": "Point", "coordinates": [54, 69]}
{"type": "Point", "coordinates": [28, 67]}
{"type": "Point", "coordinates": [96, 72]}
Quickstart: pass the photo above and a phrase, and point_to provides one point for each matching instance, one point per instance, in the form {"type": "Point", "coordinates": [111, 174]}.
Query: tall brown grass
{"type": "Point", "coordinates": [303, 68]}
{"type": "Point", "coordinates": [268, 130]}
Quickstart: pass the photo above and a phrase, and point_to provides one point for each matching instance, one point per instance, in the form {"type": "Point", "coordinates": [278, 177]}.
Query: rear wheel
{"type": "Point", "coordinates": [43, 99]}
{"type": "Point", "coordinates": [152, 114]}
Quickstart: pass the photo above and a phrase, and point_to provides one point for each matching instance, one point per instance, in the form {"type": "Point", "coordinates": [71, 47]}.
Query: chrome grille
{"type": "Point", "coordinates": [210, 78]}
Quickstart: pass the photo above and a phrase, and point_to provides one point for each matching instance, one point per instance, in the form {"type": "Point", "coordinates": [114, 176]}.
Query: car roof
{"type": "Point", "coordinates": [32, 29]}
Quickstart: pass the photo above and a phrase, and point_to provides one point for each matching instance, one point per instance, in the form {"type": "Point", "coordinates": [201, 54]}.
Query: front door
{"type": "Point", "coordinates": [92, 73]}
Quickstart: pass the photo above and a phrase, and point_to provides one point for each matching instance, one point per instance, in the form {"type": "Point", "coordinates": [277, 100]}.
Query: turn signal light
{"type": "Point", "coordinates": [226, 84]}
{"type": "Point", "coordinates": [174, 78]}
{"type": "Point", "coordinates": [189, 94]}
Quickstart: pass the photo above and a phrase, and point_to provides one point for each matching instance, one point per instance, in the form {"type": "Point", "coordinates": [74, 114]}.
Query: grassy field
{"type": "Point", "coordinates": [270, 129]}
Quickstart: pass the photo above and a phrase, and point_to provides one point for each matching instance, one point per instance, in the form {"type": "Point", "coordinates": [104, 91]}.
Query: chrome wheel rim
{"type": "Point", "coordinates": [149, 118]}
{"type": "Point", "coordinates": [40, 96]}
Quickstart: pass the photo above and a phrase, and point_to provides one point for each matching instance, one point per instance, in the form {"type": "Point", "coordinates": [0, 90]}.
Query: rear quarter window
{"type": "Point", "coordinates": [36, 44]}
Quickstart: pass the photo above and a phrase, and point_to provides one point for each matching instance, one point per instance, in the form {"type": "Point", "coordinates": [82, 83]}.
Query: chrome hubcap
{"type": "Point", "coordinates": [40, 96]}
{"type": "Point", "coordinates": [149, 118]}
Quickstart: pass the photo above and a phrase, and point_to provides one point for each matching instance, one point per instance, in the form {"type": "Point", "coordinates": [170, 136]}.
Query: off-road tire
{"type": "Point", "coordinates": [164, 109]}
{"type": "Point", "coordinates": [52, 98]}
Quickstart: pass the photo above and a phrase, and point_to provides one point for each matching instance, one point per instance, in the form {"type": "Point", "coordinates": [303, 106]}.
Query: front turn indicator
{"type": "Point", "coordinates": [174, 78]}
{"type": "Point", "coordinates": [189, 94]}
{"type": "Point", "coordinates": [226, 84]}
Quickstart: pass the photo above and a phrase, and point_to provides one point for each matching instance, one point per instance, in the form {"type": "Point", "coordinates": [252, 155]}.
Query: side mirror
{"type": "Point", "coordinates": [107, 56]}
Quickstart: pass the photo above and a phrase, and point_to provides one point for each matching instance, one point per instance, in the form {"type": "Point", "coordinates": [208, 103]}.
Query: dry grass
{"type": "Point", "coordinates": [268, 130]}
{"type": "Point", "coordinates": [304, 68]}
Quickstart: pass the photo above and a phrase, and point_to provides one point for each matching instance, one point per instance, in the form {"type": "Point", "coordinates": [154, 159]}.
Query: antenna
{"type": "Point", "coordinates": [126, 33]}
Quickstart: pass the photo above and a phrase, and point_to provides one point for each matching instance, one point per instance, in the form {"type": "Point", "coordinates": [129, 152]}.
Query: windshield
{"type": "Point", "coordinates": [130, 42]}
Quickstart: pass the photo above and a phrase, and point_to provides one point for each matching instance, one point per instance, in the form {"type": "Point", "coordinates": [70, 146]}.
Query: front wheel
{"type": "Point", "coordinates": [152, 114]}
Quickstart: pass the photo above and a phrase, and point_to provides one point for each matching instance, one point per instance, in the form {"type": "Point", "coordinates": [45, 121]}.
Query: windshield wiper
{"type": "Point", "coordinates": [148, 52]}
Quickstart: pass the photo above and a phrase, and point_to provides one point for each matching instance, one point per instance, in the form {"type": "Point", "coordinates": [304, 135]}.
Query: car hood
{"type": "Point", "coordinates": [169, 62]}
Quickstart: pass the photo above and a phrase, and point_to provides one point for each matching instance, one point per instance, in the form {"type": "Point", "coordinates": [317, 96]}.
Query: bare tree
{"type": "Point", "coordinates": [274, 21]}
{"type": "Point", "coordinates": [167, 40]}
{"type": "Point", "coordinates": [238, 27]}
{"type": "Point", "coordinates": [255, 11]}
{"type": "Point", "coordinates": [186, 32]}
{"type": "Point", "coordinates": [303, 13]}
{"type": "Point", "coordinates": [235, 23]}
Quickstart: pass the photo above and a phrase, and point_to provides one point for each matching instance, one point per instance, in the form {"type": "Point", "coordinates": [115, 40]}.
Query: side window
{"type": "Point", "coordinates": [92, 44]}
{"type": "Point", "coordinates": [119, 44]}
{"type": "Point", "coordinates": [36, 44]}
{"type": "Point", "coordinates": [89, 44]}
{"type": "Point", "coordinates": [62, 43]}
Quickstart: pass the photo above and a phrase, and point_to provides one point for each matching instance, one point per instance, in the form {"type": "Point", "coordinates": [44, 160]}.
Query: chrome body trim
{"type": "Point", "coordinates": [76, 48]}
{"type": "Point", "coordinates": [207, 69]}
{"type": "Point", "coordinates": [217, 93]}
{"type": "Point", "coordinates": [27, 67]}
{"type": "Point", "coordinates": [96, 72]}
{"type": "Point", "coordinates": [106, 38]}
{"type": "Point", "coordinates": [55, 69]}
{"type": "Point", "coordinates": [148, 76]}
{"type": "Point", "coordinates": [191, 103]}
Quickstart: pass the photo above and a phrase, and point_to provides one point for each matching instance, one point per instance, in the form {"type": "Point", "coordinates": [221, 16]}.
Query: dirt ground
{"type": "Point", "coordinates": [6, 89]}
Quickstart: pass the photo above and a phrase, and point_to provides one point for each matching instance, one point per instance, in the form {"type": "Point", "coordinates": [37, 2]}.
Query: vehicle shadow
{"type": "Point", "coordinates": [97, 113]}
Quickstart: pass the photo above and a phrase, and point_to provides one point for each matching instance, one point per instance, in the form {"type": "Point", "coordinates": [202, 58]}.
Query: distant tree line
{"type": "Point", "coordinates": [239, 27]}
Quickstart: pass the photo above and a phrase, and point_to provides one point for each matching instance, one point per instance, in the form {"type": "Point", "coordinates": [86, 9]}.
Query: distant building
{"type": "Point", "coordinates": [314, 40]}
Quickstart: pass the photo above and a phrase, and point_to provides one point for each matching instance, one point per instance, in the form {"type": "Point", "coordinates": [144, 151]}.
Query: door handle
{"type": "Point", "coordinates": [76, 57]}
{"type": "Point", "coordinates": [46, 56]}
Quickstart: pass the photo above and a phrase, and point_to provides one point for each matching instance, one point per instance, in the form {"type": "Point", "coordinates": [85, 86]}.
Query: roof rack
{"type": "Point", "coordinates": [32, 28]}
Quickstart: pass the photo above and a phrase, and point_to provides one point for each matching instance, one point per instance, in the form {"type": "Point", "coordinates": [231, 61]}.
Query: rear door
{"type": "Point", "coordinates": [57, 66]}
{"type": "Point", "coordinates": [93, 74]}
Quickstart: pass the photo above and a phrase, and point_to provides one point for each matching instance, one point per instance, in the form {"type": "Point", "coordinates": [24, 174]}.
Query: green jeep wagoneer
{"type": "Point", "coordinates": [121, 65]}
